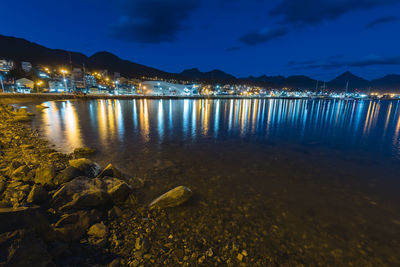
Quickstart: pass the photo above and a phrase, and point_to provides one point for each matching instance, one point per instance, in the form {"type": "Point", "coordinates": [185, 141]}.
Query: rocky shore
{"type": "Point", "coordinates": [65, 210]}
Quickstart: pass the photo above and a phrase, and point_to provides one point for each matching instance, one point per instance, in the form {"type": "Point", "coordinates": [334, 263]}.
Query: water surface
{"type": "Point", "coordinates": [311, 182]}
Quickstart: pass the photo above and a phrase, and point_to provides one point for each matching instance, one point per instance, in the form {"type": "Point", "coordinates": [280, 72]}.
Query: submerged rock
{"type": "Point", "coordinates": [88, 167]}
{"type": "Point", "coordinates": [172, 198]}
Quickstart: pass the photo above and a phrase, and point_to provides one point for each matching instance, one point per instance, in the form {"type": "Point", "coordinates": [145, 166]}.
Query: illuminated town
{"type": "Point", "coordinates": [75, 80]}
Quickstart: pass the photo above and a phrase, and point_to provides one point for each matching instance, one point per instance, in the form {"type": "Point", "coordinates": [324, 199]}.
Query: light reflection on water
{"type": "Point", "coordinates": [325, 169]}
{"type": "Point", "coordinates": [351, 125]}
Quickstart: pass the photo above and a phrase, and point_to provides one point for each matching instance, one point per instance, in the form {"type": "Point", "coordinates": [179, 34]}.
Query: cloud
{"type": "Point", "coordinates": [265, 35]}
{"type": "Point", "coordinates": [333, 64]}
{"type": "Point", "coordinates": [151, 21]}
{"type": "Point", "coordinates": [381, 20]}
{"type": "Point", "coordinates": [309, 12]}
{"type": "Point", "coordinates": [299, 13]}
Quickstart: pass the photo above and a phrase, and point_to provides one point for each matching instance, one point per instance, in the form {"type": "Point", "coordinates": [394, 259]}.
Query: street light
{"type": "Point", "coordinates": [39, 83]}
{"type": "Point", "coordinates": [63, 71]}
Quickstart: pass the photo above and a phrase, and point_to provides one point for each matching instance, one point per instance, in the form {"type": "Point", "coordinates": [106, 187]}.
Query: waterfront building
{"type": "Point", "coordinates": [26, 66]}
{"type": "Point", "coordinates": [24, 82]}
{"type": "Point", "coordinates": [161, 88]}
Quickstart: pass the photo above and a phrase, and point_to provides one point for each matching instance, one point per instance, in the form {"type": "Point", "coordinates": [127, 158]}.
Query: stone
{"type": "Point", "coordinates": [41, 106]}
{"type": "Point", "coordinates": [32, 218]}
{"type": "Point", "coordinates": [37, 195]}
{"type": "Point", "coordinates": [3, 186]}
{"type": "Point", "coordinates": [115, 212]}
{"type": "Point", "coordinates": [20, 172]}
{"type": "Point", "coordinates": [117, 189]}
{"type": "Point", "coordinates": [81, 192]}
{"type": "Point", "coordinates": [67, 175]}
{"type": "Point", "coordinates": [27, 146]}
{"type": "Point", "coordinates": [16, 192]}
{"type": "Point", "coordinates": [172, 198]}
{"type": "Point", "coordinates": [111, 171]}
{"type": "Point", "coordinates": [23, 248]}
{"type": "Point", "coordinates": [73, 226]}
{"type": "Point", "coordinates": [98, 230]}
{"type": "Point", "coordinates": [58, 248]}
{"type": "Point", "coordinates": [88, 167]}
{"type": "Point", "coordinates": [115, 263]}
{"type": "Point", "coordinates": [44, 175]}
{"type": "Point", "coordinates": [84, 151]}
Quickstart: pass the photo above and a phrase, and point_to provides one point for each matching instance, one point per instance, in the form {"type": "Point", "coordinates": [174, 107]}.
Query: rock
{"type": "Point", "coordinates": [81, 192]}
{"type": "Point", "coordinates": [111, 171]}
{"type": "Point", "coordinates": [16, 192]}
{"type": "Point", "coordinates": [72, 226]}
{"type": "Point", "coordinates": [37, 195]}
{"type": "Point", "coordinates": [130, 201]}
{"type": "Point", "coordinates": [172, 198]}
{"type": "Point", "coordinates": [23, 248]}
{"type": "Point", "coordinates": [20, 173]}
{"type": "Point", "coordinates": [22, 115]}
{"type": "Point", "coordinates": [58, 248]}
{"type": "Point", "coordinates": [84, 151]}
{"type": "Point", "coordinates": [98, 230]}
{"type": "Point", "coordinates": [3, 186]}
{"type": "Point", "coordinates": [27, 146]}
{"type": "Point", "coordinates": [115, 263]}
{"type": "Point", "coordinates": [41, 106]}
{"type": "Point", "coordinates": [98, 234]}
{"type": "Point", "coordinates": [32, 218]}
{"type": "Point", "coordinates": [115, 212]}
{"type": "Point", "coordinates": [67, 175]}
{"type": "Point", "coordinates": [88, 167]}
{"type": "Point", "coordinates": [44, 175]}
{"type": "Point", "coordinates": [117, 189]}
{"type": "Point", "coordinates": [142, 244]}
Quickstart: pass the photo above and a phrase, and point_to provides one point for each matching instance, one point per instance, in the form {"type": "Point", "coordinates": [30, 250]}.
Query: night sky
{"type": "Point", "coordinates": [242, 37]}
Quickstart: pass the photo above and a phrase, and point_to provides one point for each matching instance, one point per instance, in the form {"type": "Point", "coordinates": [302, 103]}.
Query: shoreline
{"type": "Point", "coordinates": [61, 209]}
{"type": "Point", "coordinates": [8, 98]}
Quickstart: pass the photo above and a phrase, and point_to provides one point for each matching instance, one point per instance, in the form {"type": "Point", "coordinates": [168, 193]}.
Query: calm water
{"type": "Point", "coordinates": [318, 179]}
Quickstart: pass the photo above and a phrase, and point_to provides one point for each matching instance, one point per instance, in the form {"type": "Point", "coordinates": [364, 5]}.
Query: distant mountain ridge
{"type": "Point", "coordinates": [22, 50]}
{"type": "Point", "coordinates": [19, 50]}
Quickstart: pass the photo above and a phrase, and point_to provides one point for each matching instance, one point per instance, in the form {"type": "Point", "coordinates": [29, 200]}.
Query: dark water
{"type": "Point", "coordinates": [292, 181]}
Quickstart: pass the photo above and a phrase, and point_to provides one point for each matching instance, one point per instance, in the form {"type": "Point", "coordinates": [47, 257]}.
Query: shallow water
{"type": "Point", "coordinates": [291, 181]}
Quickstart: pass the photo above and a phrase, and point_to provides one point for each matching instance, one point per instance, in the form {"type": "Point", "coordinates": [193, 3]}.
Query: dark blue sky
{"type": "Point", "coordinates": [319, 38]}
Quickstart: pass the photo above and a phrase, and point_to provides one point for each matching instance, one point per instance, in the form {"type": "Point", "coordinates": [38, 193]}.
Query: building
{"type": "Point", "coordinates": [56, 86]}
{"type": "Point", "coordinates": [26, 66]}
{"type": "Point", "coordinates": [90, 80]}
{"type": "Point", "coordinates": [24, 85]}
{"type": "Point", "coordinates": [160, 88]}
{"type": "Point", "coordinates": [24, 82]}
{"type": "Point", "coordinates": [6, 65]}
